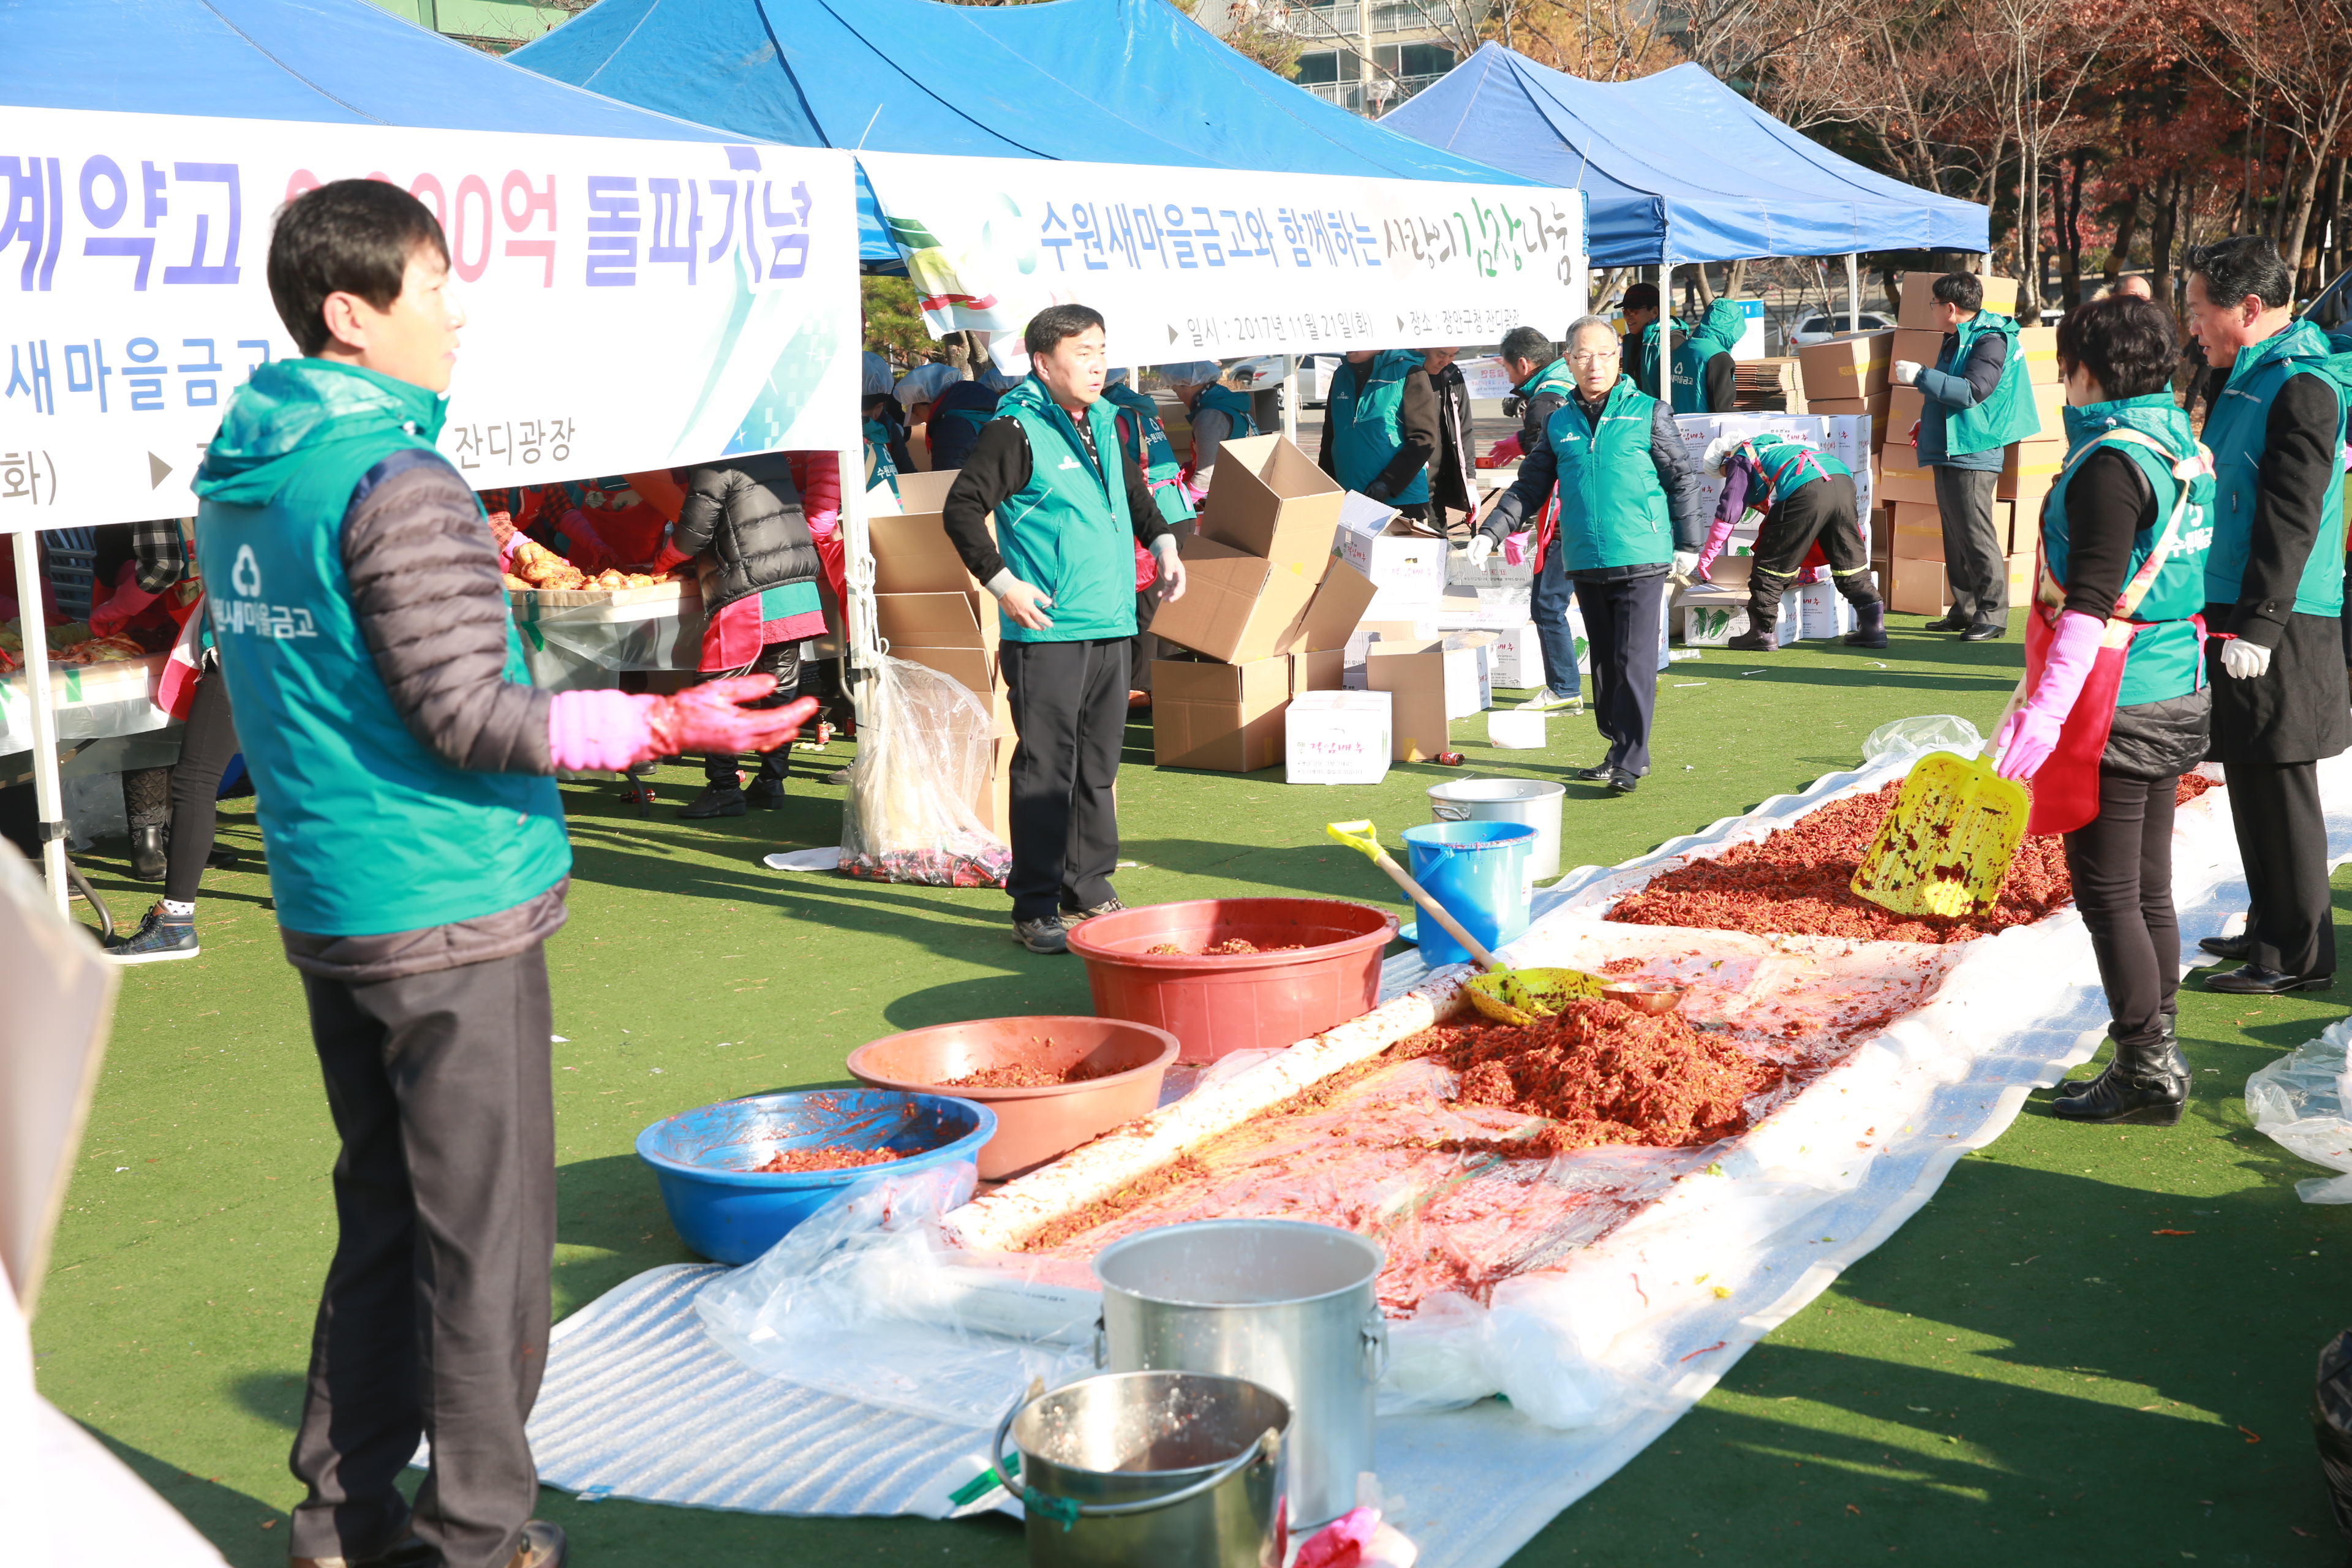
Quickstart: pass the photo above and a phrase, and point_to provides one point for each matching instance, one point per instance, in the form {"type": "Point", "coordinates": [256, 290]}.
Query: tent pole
{"type": "Point", "coordinates": [48, 792]}
{"type": "Point", "coordinates": [864, 649]}
{"type": "Point", "coordinates": [1853, 291]}
{"type": "Point", "coordinates": [1290, 399]}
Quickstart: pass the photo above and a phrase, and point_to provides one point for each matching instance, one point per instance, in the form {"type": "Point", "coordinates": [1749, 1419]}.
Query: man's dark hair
{"type": "Point", "coordinates": [2129, 345]}
{"type": "Point", "coordinates": [1049, 326]}
{"type": "Point", "coordinates": [1640, 297]}
{"type": "Point", "coordinates": [348, 237]}
{"type": "Point", "coordinates": [1529, 344]}
{"type": "Point", "coordinates": [1965, 289]}
{"type": "Point", "coordinates": [2244, 264]}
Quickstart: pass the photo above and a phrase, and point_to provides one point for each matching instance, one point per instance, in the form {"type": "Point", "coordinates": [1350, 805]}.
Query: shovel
{"type": "Point", "coordinates": [1947, 844]}
{"type": "Point", "coordinates": [1505, 995]}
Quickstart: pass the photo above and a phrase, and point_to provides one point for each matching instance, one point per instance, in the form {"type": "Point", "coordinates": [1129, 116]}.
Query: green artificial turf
{"type": "Point", "coordinates": [2025, 1369]}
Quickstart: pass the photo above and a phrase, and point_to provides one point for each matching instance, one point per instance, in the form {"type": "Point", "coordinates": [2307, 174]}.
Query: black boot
{"type": "Point", "coordinates": [715, 800]}
{"type": "Point", "coordinates": [1753, 640]}
{"type": "Point", "coordinates": [147, 861]}
{"type": "Point", "coordinates": [2145, 1086]}
{"type": "Point", "coordinates": [1869, 625]}
{"type": "Point", "coordinates": [765, 792]}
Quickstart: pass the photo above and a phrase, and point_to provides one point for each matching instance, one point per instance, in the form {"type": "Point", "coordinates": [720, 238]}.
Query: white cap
{"type": "Point", "coordinates": [878, 375]}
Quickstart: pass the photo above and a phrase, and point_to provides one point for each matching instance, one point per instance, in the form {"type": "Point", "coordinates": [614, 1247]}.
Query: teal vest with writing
{"type": "Point", "coordinates": [1144, 439]}
{"type": "Point", "coordinates": [1067, 530]}
{"type": "Point", "coordinates": [1612, 510]}
{"type": "Point", "coordinates": [1234, 405]}
{"type": "Point", "coordinates": [880, 467]}
{"type": "Point", "coordinates": [1718, 332]}
{"type": "Point", "coordinates": [369, 832]}
{"type": "Point", "coordinates": [2166, 658]}
{"type": "Point", "coordinates": [2237, 431]}
{"type": "Point", "coordinates": [1555, 378]}
{"type": "Point", "coordinates": [2008, 415]}
{"type": "Point", "coordinates": [1366, 405]}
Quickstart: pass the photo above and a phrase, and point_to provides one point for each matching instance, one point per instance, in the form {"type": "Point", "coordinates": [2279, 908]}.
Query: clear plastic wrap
{"type": "Point", "coordinates": [2298, 1102]}
{"type": "Point", "coordinates": [922, 762]}
{"type": "Point", "coordinates": [1923, 732]}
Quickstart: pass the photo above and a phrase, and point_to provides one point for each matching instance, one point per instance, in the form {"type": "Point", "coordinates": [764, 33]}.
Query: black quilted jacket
{"type": "Point", "coordinates": [742, 524]}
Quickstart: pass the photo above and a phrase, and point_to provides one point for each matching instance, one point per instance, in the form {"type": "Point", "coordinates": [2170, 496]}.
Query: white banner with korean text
{"type": "Point", "coordinates": [631, 304]}
{"type": "Point", "coordinates": [1187, 264]}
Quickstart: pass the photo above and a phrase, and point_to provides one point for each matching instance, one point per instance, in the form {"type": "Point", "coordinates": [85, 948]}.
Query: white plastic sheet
{"type": "Point", "coordinates": [2298, 1101]}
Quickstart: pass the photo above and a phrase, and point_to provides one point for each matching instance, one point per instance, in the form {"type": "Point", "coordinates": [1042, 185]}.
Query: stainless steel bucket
{"type": "Point", "coordinates": [1534, 802]}
{"type": "Point", "coordinates": [1281, 1303]}
{"type": "Point", "coordinates": [1150, 1467]}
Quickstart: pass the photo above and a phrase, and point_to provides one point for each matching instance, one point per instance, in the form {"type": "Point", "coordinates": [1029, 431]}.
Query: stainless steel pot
{"type": "Point", "coordinates": [1150, 1467]}
{"type": "Point", "coordinates": [1534, 802]}
{"type": "Point", "coordinates": [1278, 1303]}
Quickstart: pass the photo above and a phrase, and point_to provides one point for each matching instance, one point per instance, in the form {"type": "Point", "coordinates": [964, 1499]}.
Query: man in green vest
{"type": "Point", "coordinates": [1380, 428]}
{"type": "Point", "coordinates": [1541, 385]}
{"type": "Point", "coordinates": [1070, 508]}
{"type": "Point", "coordinates": [417, 856]}
{"type": "Point", "coordinates": [1975, 402]}
{"type": "Point", "coordinates": [1631, 511]}
{"type": "Point", "coordinates": [2274, 599]}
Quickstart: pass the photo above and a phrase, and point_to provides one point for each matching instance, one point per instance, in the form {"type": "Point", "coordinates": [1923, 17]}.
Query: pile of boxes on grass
{"type": "Point", "coordinates": [1906, 529]}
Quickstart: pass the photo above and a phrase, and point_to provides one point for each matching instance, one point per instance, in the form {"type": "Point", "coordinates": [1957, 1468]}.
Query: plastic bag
{"type": "Point", "coordinates": [2331, 1426]}
{"type": "Point", "coordinates": [864, 1298]}
{"type": "Point", "coordinates": [2297, 1102]}
{"type": "Point", "coordinates": [922, 760]}
{"type": "Point", "coordinates": [1925, 733]}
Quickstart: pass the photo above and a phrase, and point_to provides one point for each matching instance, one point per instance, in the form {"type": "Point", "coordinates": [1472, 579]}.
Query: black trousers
{"type": "Point", "coordinates": [206, 746]}
{"type": "Point", "coordinates": [433, 1321]}
{"type": "Point", "coordinates": [1973, 561]}
{"type": "Point", "coordinates": [1823, 510]}
{"type": "Point", "coordinates": [2283, 840]}
{"type": "Point", "coordinates": [1069, 708]}
{"type": "Point", "coordinates": [2121, 862]}
{"type": "Point", "coordinates": [1622, 630]}
{"type": "Point", "coordinates": [782, 660]}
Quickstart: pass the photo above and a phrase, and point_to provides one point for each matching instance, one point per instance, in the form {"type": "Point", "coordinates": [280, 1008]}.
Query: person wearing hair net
{"type": "Point", "coordinates": [958, 414]}
{"type": "Point", "coordinates": [1804, 495]}
{"type": "Point", "coordinates": [1219, 414]}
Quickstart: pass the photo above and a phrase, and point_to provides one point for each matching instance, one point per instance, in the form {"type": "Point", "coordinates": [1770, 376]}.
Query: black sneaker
{"type": "Point", "coordinates": [157, 940]}
{"type": "Point", "coordinates": [1109, 906]}
{"type": "Point", "coordinates": [1048, 935]}
{"type": "Point", "coordinates": [715, 800]}
{"type": "Point", "coordinates": [766, 794]}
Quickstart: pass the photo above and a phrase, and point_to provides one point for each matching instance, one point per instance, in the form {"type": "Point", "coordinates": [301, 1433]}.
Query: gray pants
{"type": "Point", "coordinates": [1974, 560]}
{"type": "Point", "coordinates": [433, 1321]}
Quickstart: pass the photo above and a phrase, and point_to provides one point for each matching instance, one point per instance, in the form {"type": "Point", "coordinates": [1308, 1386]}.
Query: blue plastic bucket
{"type": "Point", "coordinates": [1477, 873]}
{"type": "Point", "coordinates": [731, 1213]}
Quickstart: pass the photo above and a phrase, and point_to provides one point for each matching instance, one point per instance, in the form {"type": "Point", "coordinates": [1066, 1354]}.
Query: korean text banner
{"type": "Point", "coordinates": [1206, 263]}
{"type": "Point", "coordinates": [630, 304]}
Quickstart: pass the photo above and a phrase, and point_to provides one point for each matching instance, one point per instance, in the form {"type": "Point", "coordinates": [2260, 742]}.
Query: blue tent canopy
{"type": "Point", "coordinates": [340, 61]}
{"type": "Point", "coordinates": [1106, 81]}
{"type": "Point", "coordinates": [1678, 167]}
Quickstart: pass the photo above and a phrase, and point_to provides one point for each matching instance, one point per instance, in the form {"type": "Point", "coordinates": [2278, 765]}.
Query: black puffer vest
{"type": "Point", "coordinates": [742, 524]}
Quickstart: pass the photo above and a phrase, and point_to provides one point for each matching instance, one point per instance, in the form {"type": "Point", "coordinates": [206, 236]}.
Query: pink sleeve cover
{"type": "Point", "coordinates": [591, 731]}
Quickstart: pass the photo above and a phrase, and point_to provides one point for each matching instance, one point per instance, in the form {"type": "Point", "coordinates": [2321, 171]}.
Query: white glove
{"type": "Point", "coordinates": [1906, 371]}
{"type": "Point", "coordinates": [2245, 660]}
{"type": "Point", "coordinates": [1716, 450]}
{"type": "Point", "coordinates": [1481, 547]}
{"type": "Point", "coordinates": [1686, 562]}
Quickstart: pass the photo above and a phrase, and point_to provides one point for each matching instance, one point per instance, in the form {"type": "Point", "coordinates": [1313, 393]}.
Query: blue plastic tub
{"type": "Point", "coordinates": [1477, 873]}
{"type": "Point", "coordinates": [731, 1213]}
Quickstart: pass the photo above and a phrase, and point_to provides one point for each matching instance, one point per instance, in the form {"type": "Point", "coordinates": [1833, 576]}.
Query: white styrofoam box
{"type": "Point", "coordinates": [1515, 660]}
{"type": "Point", "coordinates": [1337, 738]}
{"type": "Point", "coordinates": [1469, 680]}
{"type": "Point", "coordinates": [1822, 612]}
{"type": "Point", "coordinates": [1517, 728]}
{"type": "Point", "coordinates": [1496, 573]}
{"type": "Point", "coordinates": [1409, 570]}
{"type": "Point", "coordinates": [1713, 620]}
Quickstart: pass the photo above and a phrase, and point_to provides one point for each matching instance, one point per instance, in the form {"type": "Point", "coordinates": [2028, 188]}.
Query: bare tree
{"type": "Point", "coordinates": [2291, 62]}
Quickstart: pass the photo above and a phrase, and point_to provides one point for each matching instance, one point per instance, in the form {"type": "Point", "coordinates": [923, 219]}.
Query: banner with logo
{"type": "Point", "coordinates": [630, 304]}
{"type": "Point", "coordinates": [1189, 264]}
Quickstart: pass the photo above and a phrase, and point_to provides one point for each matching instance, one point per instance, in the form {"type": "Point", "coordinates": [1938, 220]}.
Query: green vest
{"type": "Point", "coordinates": [1787, 465]}
{"type": "Point", "coordinates": [1067, 530]}
{"type": "Point", "coordinates": [2166, 660]}
{"type": "Point", "coordinates": [1366, 403]}
{"type": "Point", "coordinates": [2008, 415]}
{"type": "Point", "coordinates": [1233, 406]}
{"type": "Point", "coordinates": [2237, 430]}
{"type": "Point", "coordinates": [1144, 438]}
{"type": "Point", "coordinates": [880, 467]}
{"type": "Point", "coordinates": [368, 830]}
{"type": "Point", "coordinates": [1721, 327]}
{"type": "Point", "coordinates": [1612, 510]}
{"type": "Point", "coordinates": [1555, 378]}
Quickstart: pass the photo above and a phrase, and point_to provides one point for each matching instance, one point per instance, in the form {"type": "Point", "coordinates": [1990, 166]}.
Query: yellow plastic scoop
{"type": "Point", "coordinates": [1945, 847]}
{"type": "Point", "coordinates": [1508, 995]}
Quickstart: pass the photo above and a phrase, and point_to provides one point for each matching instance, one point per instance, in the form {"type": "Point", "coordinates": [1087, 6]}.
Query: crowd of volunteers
{"type": "Point", "coordinates": [2189, 606]}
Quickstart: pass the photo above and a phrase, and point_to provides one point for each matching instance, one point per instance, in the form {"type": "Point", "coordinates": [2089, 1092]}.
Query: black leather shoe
{"type": "Point", "coordinates": [1754, 642]}
{"type": "Point", "coordinates": [1984, 634]}
{"type": "Point", "coordinates": [1622, 782]}
{"type": "Point", "coordinates": [147, 861]}
{"type": "Point", "coordinates": [222, 858]}
{"type": "Point", "coordinates": [715, 800]}
{"type": "Point", "coordinates": [2253, 980]}
{"type": "Point", "coordinates": [1949, 624]}
{"type": "Point", "coordinates": [2145, 1087]}
{"type": "Point", "coordinates": [2234, 948]}
{"type": "Point", "coordinates": [1600, 775]}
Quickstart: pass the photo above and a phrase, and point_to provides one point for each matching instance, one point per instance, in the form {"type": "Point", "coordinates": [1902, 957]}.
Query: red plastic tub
{"type": "Point", "coordinates": [1217, 1004]}
{"type": "Point", "coordinates": [1035, 1123]}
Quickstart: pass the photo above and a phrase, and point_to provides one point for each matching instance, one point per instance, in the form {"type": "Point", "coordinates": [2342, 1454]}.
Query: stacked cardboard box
{"type": "Point", "coordinates": [1848, 375]}
{"type": "Point", "coordinates": [934, 613]}
{"type": "Point", "coordinates": [1772, 385]}
{"type": "Point", "coordinates": [1266, 606]}
{"type": "Point", "coordinates": [1429, 683]}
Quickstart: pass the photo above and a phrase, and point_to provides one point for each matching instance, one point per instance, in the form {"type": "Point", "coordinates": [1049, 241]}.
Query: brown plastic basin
{"type": "Point", "coordinates": [1033, 1124]}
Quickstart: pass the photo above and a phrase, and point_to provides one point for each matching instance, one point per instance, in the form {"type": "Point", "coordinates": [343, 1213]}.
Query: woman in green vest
{"type": "Point", "coordinates": [1219, 414]}
{"type": "Point", "coordinates": [1380, 428]}
{"type": "Point", "coordinates": [2116, 698]}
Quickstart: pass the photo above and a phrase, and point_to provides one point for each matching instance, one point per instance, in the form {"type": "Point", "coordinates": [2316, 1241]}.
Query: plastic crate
{"type": "Point", "coordinates": [72, 560]}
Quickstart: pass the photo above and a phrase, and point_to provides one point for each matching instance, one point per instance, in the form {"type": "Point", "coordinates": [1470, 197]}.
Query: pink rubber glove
{"type": "Point", "coordinates": [2029, 735]}
{"type": "Point", "coordinates": [121, 608]}
{"type": "Point", "coordinates": [592, 730]}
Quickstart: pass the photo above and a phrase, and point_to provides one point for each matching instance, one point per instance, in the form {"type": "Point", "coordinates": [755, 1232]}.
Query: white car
{"type": "Point", "coordinates": [1821, 328]}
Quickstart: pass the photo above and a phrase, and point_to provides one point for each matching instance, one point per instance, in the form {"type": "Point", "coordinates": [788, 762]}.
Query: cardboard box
{"type": "Point", "coordinates": [1337, 738]}
{"type": "Point", "coordinates": [1919, 347]}
{"type": "Point", "coordinates": [2049, 405]}
{"type": "Point", "coordinates": [1903, 478]}
{"type": "Point", "coordinates": [966, 620]}
{"type": "Point", "coordinates": [1325, 669]}
{"type": "Point", "coordinates": [1514, 658]}
{"type": "Point", "coordinates": [1918, 295]}
{"type": "Point", "coordinates": [1859, 409]}
{"type": "Point", "coordinates": [1919, 530]}
{"type": "Point", "coordinates": [2038, 346]}
{"type": "Point", "coordinates": [1237, 608]}
{"type": "Point", "coordinates": [1917, 587]}
{"type": "Point", "coordinates": [1408, 568]}
{"type": "Point", "coordinates": [1429, 684]}
{"type": "Point", "coordinates": [1341, 600]}
{"type": "Point", "coordinates": [2022, 575]}
{"type": "Point", "coordinates": [2028, 470]}
{"type": "Point", "coordinates": [1269, 499]}
{"type": "Point", "coordinates": [912, 553]}
{"type": "Point", "coordinates": [1904, 405]}
{"type": "Point", "coordinates": [1225, 718]}
{"type": "Point", "coordinates": [1849, 366]}
{"type": "Point", "coordinates": [994, 804]}
{"type": "Point", "coordinates": [976, 670]}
